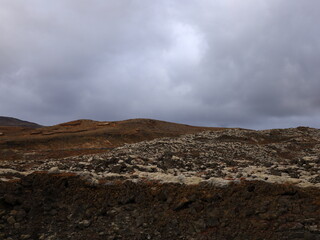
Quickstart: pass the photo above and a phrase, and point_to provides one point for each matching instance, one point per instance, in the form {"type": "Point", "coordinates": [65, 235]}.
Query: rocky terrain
{"type": "Point", "coordinates": [81, 137]}
{"type": "Point", "coordinates": [213, 184]}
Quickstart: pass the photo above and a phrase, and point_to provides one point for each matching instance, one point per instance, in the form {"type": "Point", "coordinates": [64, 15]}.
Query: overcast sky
{"type": "Point", "coordinates": [243, 63]}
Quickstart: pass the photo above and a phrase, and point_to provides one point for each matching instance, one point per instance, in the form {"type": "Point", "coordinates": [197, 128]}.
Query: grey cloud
{"type": "Point", "coordinates": [268, 68]}
{"type": "Point", "coordinates": [221, 63]}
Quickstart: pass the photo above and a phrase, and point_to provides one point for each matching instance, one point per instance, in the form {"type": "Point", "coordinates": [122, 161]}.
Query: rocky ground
{"type": "Point", "coordinates": [227, 184]}
{"type": "Point", "coordinates": [82, 137]}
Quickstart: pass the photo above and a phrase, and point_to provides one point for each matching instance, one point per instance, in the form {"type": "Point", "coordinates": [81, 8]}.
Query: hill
{"type": "Point", "coordinates": [14, 122]}
{"type": "Point", "coordinates": [84, 137]}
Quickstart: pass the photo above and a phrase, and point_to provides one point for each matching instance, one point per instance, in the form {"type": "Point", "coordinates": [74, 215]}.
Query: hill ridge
{"type": "Point", "coordinates": [15, 122]}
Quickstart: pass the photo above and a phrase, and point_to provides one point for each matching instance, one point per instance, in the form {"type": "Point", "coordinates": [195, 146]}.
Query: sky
{"type": "Point", "coordinates": [227, 63]}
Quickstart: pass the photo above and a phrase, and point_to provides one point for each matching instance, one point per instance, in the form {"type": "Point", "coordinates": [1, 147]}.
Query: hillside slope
{"type": "Point", "coordinates": [84, 137]}
{"type": "Point", "coordinates": [14, 122]}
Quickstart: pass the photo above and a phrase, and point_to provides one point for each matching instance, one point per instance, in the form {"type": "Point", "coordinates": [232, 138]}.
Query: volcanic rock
{"type": "Point", "coordinates": [225, 184]}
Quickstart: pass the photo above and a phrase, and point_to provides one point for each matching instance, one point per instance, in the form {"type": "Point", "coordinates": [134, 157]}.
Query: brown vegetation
{"type": "Point", "coordinates": [83, 137]}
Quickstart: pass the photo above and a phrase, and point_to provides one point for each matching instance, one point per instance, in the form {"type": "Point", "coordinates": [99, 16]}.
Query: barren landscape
{"type": "Point", "coordinates": [149, 179]}
{"type": "Point", "coordinates": [159, 120]}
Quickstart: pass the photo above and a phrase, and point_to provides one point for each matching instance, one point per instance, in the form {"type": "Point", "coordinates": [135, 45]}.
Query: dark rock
{"type": "Point", "coordinates": [10, 199]}
{"type": "Point", "coordinates": [199, 225]}
{"type": "Point", "coordinates": [116, 168]}
{"type": "Point", "coordinates": [25, 236]}
{"type": "Point", "coordinates": [182, 204]}
{"type": "Point", "coordinates": [84, 224]}
{"type": "Point", "coordinates": [269, 216]}
{"type": "Point", "coordinates": [11, 220]}
{"type": "Point", "coordinates": [21, 214]}
{"type": "Point", "coordinates": [53, 212]}
{"type": "Point", "coordinates": [212, 222]}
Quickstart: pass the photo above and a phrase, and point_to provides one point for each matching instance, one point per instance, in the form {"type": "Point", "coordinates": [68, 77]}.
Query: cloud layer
{"type": "Point", "coordinates": [251, 63]}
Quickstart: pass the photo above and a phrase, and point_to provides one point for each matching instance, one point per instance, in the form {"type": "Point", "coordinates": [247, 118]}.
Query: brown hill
{"type": "Point", "coordinates": [84, 137]}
